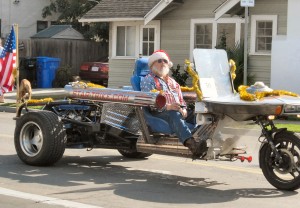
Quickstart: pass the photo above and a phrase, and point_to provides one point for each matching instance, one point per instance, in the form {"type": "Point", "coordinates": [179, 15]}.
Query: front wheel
{"type": "Point", "coordinates": [39, 138]}
{"type": "Point", "coordinates": [283, 174]}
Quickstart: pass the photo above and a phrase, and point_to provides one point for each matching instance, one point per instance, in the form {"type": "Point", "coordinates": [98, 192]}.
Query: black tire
{"type": "Point", "coordinates": [134, 154]}
{"type": "Point", "coordinates": [284, 176]}
{"type": "Point", "coordinates": [40, 138]}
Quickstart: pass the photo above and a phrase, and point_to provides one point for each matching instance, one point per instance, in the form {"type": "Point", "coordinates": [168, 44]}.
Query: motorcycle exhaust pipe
{"type": "Point", "coordinates": [128, 97]}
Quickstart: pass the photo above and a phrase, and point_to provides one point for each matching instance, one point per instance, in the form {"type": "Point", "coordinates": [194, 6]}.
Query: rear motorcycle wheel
{"type": "Point", "coordinates": [283, 175]}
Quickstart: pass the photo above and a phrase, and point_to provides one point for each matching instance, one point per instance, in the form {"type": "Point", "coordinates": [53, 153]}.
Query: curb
{"type": "Point", "coordinates": [7, 109]}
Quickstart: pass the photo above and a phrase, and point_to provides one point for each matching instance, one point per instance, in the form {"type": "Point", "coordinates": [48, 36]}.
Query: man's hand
{"type": "Point", "coordinates": [183, 112]}
{"type": "Point", "coordinates": [173, 106]}
{"type": "Point", "coordinates": [177, 107]}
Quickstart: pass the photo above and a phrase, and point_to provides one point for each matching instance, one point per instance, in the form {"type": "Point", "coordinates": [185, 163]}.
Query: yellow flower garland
{"type": "Point", "coordinates": [232, 69]}
{"type": "Point", "coordinates": [195, 81]}
{"type": "Point", "coordinates": [244, 95]}
{"type": "Point", "coordinates": [195, 78]}
{"type": "Point", "coordinates": [159, 91]}
{"type": "Point", "coordinates": [89, 84]}
{"type": "Point", "coordinates": [80, 84]}
{"type": "Point", "coordinates": [83, 85]}
{"type": "Point", "coordinates": [44, 100]}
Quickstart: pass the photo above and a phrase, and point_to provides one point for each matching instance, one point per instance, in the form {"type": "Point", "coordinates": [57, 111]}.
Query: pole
{"type": "Point", "coordinates": [16, 28]}
{"type": "Point", "coordinates": [246, 46]}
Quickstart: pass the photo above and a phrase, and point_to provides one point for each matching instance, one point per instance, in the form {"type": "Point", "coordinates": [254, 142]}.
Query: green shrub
{"type": "Point", "coordinates": [236, 53]}
{"type": "Point", "coordinates": [179, 76]}
{"type": "Point", "coordinates": [62, 77]}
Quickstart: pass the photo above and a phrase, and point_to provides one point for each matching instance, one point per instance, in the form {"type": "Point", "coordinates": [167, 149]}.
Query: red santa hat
{"type": "Point", "coordinates": [159, 54]}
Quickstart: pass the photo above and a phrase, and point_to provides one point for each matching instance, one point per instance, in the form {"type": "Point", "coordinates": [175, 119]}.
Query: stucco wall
{"type": "Point", "coordinates": [286, 54]}
{"type": "Point", "coordinates": [260, 65]}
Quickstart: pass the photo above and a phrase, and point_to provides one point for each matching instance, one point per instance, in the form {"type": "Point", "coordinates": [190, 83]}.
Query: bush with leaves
{"type": "Point", "coordinates": [62, 77]}
{"type": "Point", "coordinates": [236, 53]}
{"type": "Point", "coordinates": [179, 76]}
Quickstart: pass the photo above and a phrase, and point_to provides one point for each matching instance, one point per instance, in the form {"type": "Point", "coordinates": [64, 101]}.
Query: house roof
{"type": "Point", "coordinates": [125, 10]}
{"type": "Point", "coordinates": [59, 31]}
{"type": "Point", "coordinates": [231, 7]}
{"type": "Point", "coordinates": [120, 9]}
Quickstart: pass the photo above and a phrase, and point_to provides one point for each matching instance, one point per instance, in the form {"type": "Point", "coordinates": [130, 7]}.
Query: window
{"type": "Point", "coordinates": [126, 41]}
{"type": "Point", "coordinates": [263, 29]}
{"type": "Point", "coordinates": [203, 36]}
{"type": "Point", "coordinates": [263, 36]}
{"type": "Point", "coordinates": [207, 32]}
{"type": "Point", "coordinates": [133, 39]}
{"type": "Point", "coordinates": [226, 30]}
{"type": "Point", "coordinates": [148, 41]}
{"type": "Point", "coordinates": [41, 25]}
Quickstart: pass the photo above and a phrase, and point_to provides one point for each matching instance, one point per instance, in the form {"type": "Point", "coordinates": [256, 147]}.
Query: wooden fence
{"type": "Point", "coordinates": [71, 52]}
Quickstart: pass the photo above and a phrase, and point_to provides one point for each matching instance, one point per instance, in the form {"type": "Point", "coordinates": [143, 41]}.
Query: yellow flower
{"type": "Point", "coordinates": [160, 91]}
{"type": "Point", "coordinates": [154, 90]}
{"type": "Point", "coordinates": [195, 79]}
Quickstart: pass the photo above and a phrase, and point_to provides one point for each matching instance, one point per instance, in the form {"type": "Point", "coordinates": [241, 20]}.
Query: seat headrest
{"type": "Point", "coordinates": [141, 67]}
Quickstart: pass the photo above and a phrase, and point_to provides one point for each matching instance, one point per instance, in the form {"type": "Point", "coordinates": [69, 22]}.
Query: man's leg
{"type": "Point", "coordinates": [177, 124]}
{"type": "Point", "coordinates": [183, 132]}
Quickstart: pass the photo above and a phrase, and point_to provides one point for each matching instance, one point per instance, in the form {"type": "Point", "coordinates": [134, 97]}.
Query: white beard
{"type": "Point", "coordinates": [164, 71]}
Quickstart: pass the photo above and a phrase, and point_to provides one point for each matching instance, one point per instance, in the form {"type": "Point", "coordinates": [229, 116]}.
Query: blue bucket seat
{"type": "Point", "coordinates": [155, 124]}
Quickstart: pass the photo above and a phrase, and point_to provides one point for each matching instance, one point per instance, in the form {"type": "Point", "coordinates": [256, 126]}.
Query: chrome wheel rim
{"type": "Point", "coordinates": [31, 139]}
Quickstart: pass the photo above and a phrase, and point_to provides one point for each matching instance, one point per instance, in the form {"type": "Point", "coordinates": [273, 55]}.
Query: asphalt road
{"type": "Point", "coordinates": [103, 178]}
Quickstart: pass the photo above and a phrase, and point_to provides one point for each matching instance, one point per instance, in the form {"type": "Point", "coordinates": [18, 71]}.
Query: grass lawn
{"type": "Point", "coordinates": [290, 127]}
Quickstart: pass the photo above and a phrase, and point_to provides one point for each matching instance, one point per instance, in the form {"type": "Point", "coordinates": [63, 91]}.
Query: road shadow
{"type": "Point", "coordinates": [142, 185]}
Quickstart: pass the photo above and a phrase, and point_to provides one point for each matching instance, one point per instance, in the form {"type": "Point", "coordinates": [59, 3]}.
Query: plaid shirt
{"type": "Point", "coordinates": [171, 88]}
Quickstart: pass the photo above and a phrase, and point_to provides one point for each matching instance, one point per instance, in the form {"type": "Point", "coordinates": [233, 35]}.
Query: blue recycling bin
{"type": "Point", "coordinates": [46, 70]}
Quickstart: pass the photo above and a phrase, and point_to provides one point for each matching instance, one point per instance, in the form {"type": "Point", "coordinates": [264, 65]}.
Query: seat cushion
{"type": "Point", "coordinates": [141, 67]}
{"type": "Point", "coordinates": [135, 83]}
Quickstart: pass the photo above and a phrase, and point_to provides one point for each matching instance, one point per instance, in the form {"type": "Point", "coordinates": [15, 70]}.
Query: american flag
{"type": "Point", "coordinates": [8, 63]}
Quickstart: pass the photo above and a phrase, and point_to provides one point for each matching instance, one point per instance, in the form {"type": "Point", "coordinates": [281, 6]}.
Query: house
{"type": "Point", "coordinates": [59, 32]}
{"type": "Point", "coordinates": [178, 26]}
{"type": "Point", "coordinates": [27, 14]}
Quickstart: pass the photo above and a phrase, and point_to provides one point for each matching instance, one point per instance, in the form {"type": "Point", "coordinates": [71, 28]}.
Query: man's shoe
{"type": "Point", "coordinates": [197, 148]}
{"type": "Point", "coordinates": [202, 148]}
{"type": "Point", "coordinates": [191, 144]}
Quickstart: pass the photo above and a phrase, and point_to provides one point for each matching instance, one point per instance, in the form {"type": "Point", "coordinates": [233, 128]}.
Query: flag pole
{"type": "Point", "coordinates": [16, 28]}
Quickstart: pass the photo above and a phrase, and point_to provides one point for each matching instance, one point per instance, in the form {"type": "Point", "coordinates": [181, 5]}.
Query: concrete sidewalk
{"type": "Point", "coordinates": [11, 97]}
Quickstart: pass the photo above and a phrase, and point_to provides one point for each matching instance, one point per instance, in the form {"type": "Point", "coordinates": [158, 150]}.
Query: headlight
{"type": "Point", "coordinates": [291, 108]}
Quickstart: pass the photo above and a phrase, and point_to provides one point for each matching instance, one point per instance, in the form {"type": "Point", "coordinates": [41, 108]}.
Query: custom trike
{"type": "Point", "coordinates": [92, 117]}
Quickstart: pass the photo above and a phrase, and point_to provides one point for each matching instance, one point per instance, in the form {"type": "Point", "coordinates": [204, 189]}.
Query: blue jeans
{"type": "Point", "coordinates": [179, 126]}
